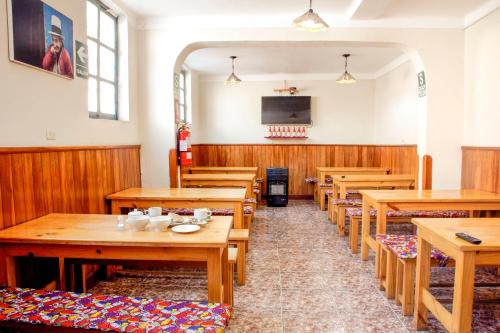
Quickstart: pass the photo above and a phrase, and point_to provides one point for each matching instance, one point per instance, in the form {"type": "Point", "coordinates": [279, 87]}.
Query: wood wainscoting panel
{"type": "Point", "coordinates": [302, 159]}
{"type": "Point", "coordinates": [481, 168]}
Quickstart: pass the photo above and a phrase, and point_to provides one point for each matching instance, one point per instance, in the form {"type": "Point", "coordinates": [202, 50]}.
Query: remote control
{"type": "Point", "coordinates": [468, 238]}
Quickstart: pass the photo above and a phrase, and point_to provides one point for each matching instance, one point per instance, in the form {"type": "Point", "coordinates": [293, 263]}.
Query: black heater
{"type": "Point", "coordinates": [277, 187]}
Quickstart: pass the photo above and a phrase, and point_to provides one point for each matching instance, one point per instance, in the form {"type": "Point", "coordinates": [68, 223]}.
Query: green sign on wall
{"type": "Point", "coordinates": [82, 60]}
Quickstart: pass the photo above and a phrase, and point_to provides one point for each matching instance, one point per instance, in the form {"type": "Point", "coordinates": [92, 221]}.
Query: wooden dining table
{"type": "Point", "coordinates": [95, 237]}
{"type": "Point", "coordinates": [181, 198]}
{"type": "Point", "coordinates": [209, 169]}
{"type": "Point", "coordinates": [323, 172]}
{"type": "Point", "coordinates": [440, 234]}
{"type": "Point", "coordinates": [384, 200]}
{"type": "Point", "coordinates": [224, 180]}
{"type": "Point", "coordinates": [342, 184]}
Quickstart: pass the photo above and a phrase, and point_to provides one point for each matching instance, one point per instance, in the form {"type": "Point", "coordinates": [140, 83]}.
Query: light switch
{"type": "Point", "coordinates": [50, 135]}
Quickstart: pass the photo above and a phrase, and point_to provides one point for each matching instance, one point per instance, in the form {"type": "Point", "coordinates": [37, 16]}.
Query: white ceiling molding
{"type": "Point", "coordinates": [287, 77]}
{"type": "Point", "coordinates": [370, 9]}
{"type": "Point", "coordinates": [481, 12]}
{"type": "Point", "coordinates": [392, 65]}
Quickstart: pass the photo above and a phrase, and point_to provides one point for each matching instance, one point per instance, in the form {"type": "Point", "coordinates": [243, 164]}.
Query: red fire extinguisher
{"type": "Point", "coordinates": [184, 146]}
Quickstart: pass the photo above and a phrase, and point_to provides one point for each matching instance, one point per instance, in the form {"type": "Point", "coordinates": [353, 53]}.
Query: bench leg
{"type": "Point", "coordinates": [399, 282]}
{"type": "Point", "coordinates": [321, 199]}
{"type": "Point", "coordinates": [341, 221]}
{"type": "Point", "coordinates": [354, 234]}
{"type": "Point", "coordinates": [383, 273]}
{"type": "Point", "coordinates": [231, 283]}
{"type": "Point", "coordinates": [329, 207]}
{"type": "Point", "coordinates": [390, 274]}
{"type": "Point", "coordinates": [408, 292]}
{"type": "Point", "coordinates": [241, 263]}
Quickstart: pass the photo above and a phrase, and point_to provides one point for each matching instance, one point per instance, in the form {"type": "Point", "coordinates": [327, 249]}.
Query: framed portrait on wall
{"type": "Point", "coordinates": [40, 37]}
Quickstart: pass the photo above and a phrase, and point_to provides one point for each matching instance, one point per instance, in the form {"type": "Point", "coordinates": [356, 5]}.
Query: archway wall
{"type": "Point", "coordinates": [437, 51]}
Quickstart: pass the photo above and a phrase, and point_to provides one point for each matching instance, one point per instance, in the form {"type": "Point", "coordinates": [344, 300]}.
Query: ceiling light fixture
{"type": "Point", "coordinates": [310, 21]}
{"type": "Point", "coordinates": [346, 77]}
{"type": "Point", "coordinates": [232, 80]}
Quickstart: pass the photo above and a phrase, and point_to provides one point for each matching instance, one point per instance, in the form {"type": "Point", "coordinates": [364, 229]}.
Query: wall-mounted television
{"type": "Point", "coordinates": [284, 110]}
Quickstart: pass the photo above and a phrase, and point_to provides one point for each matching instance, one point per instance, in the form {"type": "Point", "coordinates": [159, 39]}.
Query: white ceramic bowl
{"type": "Point", "coordinates": [160, 223]}
{"type": "Point", "coordinates": [138, 223]}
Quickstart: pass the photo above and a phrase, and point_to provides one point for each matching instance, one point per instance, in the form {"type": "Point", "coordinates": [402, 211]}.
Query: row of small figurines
{"type": "Point", "coordinates": [287, 131]}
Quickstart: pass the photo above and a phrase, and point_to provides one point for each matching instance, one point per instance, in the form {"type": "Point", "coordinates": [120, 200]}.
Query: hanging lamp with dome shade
{"type": "Point", "coordinates": [310, 21]}
{"type": "Point", "coordinates": [346, 77]}
{"type": "Point", "coordinates": [232, 80]}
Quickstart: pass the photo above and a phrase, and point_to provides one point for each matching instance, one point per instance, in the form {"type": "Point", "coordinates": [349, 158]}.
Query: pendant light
{"type": "Point", "coordinates": [232, 80]}
{"type": "Point", "coordinates": [310, 21]}
{"type": "Point", "coordinates": [346, 77]}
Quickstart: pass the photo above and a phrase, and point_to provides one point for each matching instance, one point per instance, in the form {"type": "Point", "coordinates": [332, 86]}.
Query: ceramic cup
{"type": "Point", "coordinates": [202, 214]}
{"type": "Point", "coordinates": [154, 211]}
{"type": "Point", "coordinates": [160, 223]}
{"type": "Point", "coordinates": [134, 215]}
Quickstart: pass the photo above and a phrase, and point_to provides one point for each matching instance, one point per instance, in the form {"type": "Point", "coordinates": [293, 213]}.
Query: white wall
{"type": "Point", "coordinates": [340, 113]}
{"type": "Point", "coordinates": [395, 110]}
{"type": "Point", "coordinates": [33, 101]}
{"type": "Point", "coordinates": [482, 82]}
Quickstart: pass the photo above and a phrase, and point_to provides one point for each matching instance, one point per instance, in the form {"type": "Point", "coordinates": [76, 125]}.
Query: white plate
{"type": "Point", "coordinates": [186, 228]}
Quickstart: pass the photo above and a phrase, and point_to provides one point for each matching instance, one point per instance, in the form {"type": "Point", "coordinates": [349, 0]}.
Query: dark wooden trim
{"type": "Point", "coordinates": [16, 150]}
{"type": "Point", "coordinates": [301, 144]}
{"type": "Point", "coordinates": [479, 148]}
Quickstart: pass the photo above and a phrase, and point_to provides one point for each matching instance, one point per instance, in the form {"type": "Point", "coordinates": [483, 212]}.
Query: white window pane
{"type": "Point", "coordinates": [92, 13]}
{"type": "Point", "coordinates": [107, 98]}
{"type": "Point", "coordinates": [92, 95]}
{"type": "Point", "coordinates": [92, 46]}
{"type": "Point", "coordinates": [107, 64]}
{"type": "Point", "coordinates": [107, 30]}
{"type": "Point", "coordinates": [181, 81]}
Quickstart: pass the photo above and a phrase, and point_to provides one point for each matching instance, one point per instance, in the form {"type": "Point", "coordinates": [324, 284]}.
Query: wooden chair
{"type": "Point", "coordinates": [239, 238]}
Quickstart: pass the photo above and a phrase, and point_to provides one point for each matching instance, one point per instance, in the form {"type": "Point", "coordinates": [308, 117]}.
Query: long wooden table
{"type": "Point", "coordinates": [181, 198]}
{"type": "Point", "coordinates": [341, 184]}
{"type": "Point", "coordinates": [207, 169]}
{"type": "Point", "coordinates": [95, 237]}
{"type": "Point", "coordinates": [223, 180]}
{"type": "Point", "coordinates": [323, 172]}
{"type": "Point", "coordinates": [440, 233]}
{"type": "Point", "coordinates": [384, 200]}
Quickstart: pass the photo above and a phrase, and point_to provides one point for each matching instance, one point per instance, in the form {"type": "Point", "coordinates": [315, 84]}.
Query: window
{"type": "Point", "coordinates": [102, 36]}
{"type": "Point", "coordinates": [182, 96]}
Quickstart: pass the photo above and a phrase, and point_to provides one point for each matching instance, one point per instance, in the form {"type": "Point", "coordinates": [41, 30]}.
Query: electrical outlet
{"type": "Point", "coordinates": [50, 135]}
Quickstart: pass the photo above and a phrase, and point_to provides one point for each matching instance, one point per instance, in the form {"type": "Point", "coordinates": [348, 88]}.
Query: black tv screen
{"type": "Point", "coordinates": [283, 110]}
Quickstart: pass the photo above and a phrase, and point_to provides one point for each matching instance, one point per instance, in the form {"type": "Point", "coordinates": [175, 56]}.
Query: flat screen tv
{"type": "Point", "coordinates": [283, 110]}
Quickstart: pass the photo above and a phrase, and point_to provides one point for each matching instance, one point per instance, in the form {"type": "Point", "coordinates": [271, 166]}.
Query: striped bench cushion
{"type": "Point", "coordinates": [111, 313]}
{"type": "Point", "coordinates": [215, 211]}
{"type": "Point", "coordinates": [347, 202]}
{"type": "Point", "coordinates": [355, 211]}
{"type": "Point", "coordinates": [311, 180]}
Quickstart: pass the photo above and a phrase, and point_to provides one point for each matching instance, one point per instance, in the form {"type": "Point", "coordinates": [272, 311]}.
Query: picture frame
{"type": "Point", "coordinates": [40, 37]}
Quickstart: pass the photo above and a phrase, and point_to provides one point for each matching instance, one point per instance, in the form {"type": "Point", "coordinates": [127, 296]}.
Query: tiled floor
{"type": "Point", "coordinates": [301, 278]}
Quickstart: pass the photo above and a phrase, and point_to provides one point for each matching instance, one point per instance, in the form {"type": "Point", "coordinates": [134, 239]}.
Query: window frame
{"type": "Point", "coordinates": [182, 96]}
{"type": "Point", "coordinates": [103, 9]}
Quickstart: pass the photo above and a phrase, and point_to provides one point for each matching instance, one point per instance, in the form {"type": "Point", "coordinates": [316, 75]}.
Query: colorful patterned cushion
{"type": "Point", "coordinates": [385, 239]}
{"type": "Point", "coordinates": [407, 249]}
{"type": "Point", "coordinates": [311, 180]}
{"type": "Point", "coordinates": [411, 213]}
{"type": "Point", "coordinates": [250, 201]}
{"type": "Point", "coordinates": [328, 180]}
{"type": "Point", "coordinates": [347, 202]}
{"type": "Point", "coordinates": [111, 313]}
{"type": "Point", "coordinates": [215, 211]}
{"type": "Point", "coordinates": [351, 192]}
{"type": "Point", "coordinates": [256, 191]}
{"type": "Point", "coordinates": [329, 192]}
{"type": "Point", "coordinates": [259, 180]}
{"type": "Point", "coordinates": [325, 185]}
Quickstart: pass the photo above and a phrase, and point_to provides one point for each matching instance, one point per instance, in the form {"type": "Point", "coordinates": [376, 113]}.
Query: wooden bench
{"type": "Point", "coordinates": [30, 310]}
{"type": "Point", "coordinates": [239, 237]}
{"type": "Point", "coordinates": [398, 262]}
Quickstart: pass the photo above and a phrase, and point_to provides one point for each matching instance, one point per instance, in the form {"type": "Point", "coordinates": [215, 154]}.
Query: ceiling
{"type": "Point", "coordinates": [335, 11]}
{"type": "Point", "coordinates": [290, 60]}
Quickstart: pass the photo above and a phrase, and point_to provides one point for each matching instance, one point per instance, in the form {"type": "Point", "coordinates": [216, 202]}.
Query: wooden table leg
{"type": "Point", "coordinates": [335, 189]}
{"type": "Point", "coordinates": [214, 272]}
{"type": "Point", "coordinates": [365, 230]}
{"type": "Point", "coordinates": [423, 272]}
{"type": "Point", "coordinates": [115, 207]}
{"type": "Point", "coordinates": [343, 192]}
{"type": "Point", "coordinates": [322, 193]}
{"type": "Point", "coordinates": [341, 221]}
{"type": "Point", "coordinates": [238, 215]}
{"type": "Point", "coordinates": [463, 293]}
{"type": "Point", "coordinates": [380, 229]}
{"type": "Point", "coordinates": [227, 284]}
{"type": "Point", "coordinates": [62, 277]}
{"type": "Point", "coordinates": [10, 268]}
{"type": "Point", "coordinates": [241, 264]}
